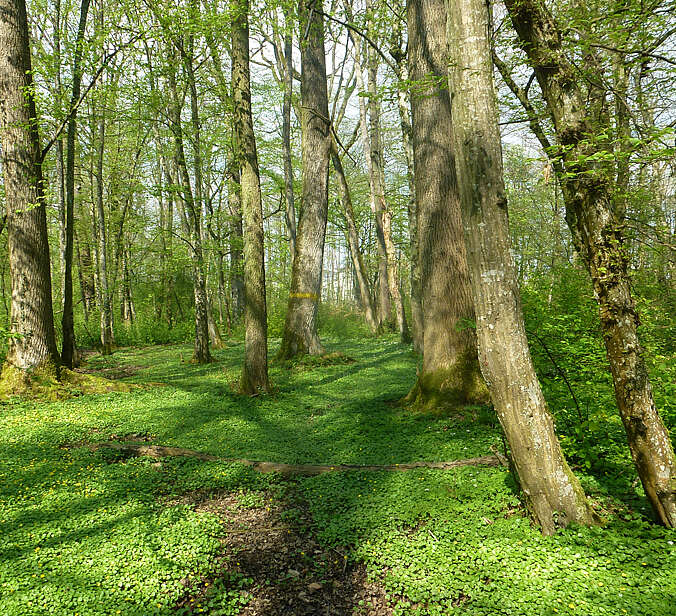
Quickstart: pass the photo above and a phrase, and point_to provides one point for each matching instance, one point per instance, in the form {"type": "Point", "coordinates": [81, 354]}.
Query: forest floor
{"type": "Point", "coordinates": [97, 531]}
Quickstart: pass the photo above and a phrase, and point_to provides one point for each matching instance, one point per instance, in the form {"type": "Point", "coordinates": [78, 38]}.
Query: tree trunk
{"type": "Point", "coordinates": [450, 373]}
{"type": "Point", "coordinates": [236, 240]}
{"type": "Point", "coordinates": [33, 343]}
{"type": "Point", "coordinates": [406, 135]}
{"type": "Point", "coordinates": [105, 300]}
{"type": "Point", "coordinates": [68, 349]}
{"type": "Point", "coordinates": [553, 493]}
{"type": "Point", "coordinates": [201, 347]}
{"type": "Point", "coordinates": [598, 237]}
{"type": "Point", "coordinates": [255, 370]}
{"type": "Point", "coordinates": [383, 213]}
{"type": "Point", "coordinates": [300, 327]}
{"type": "Point", "coordinates": [290, 213]}
{"type": "Point", "coordinates": [361, 275]}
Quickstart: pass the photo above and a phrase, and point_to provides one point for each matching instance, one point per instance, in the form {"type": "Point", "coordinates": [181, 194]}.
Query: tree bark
{"type": "Point", "coordinates": [365, 298]}
{"type": "Point", "coordinates": [450, 373]}
{"type": "Point", "coordinates": [553, 493]}
{"type": "Point", "coordinates": [32, 345]}
{"type": "Point", "coordinates": [598, 237]}
{"type": "Point", "coordinates": [68, 348]}
{"type": "Point", "coordinates": [254, 378]}
{"type": "Point", "coordinates": [300, 327]}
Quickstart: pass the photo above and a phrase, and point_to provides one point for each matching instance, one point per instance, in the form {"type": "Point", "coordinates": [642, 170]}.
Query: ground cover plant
{"type": "Point", "coordinates": [98, 532]}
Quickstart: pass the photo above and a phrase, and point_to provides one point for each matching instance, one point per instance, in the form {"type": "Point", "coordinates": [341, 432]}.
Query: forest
{"type": "Point", "coordinates": [337, 307]}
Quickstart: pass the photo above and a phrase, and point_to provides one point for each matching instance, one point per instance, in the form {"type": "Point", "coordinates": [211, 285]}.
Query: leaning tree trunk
{"type": "Point", "coordinates": [68, 348]}
{"type": "Point", "coordinates": [361, 275]}
{"type": "Point", "coordinates": [553, 493]}
{"type": "Point", "coordinates": [255, 370]}
{"type": "Point", "coordinates": [598, 236]}
{"type": "Point", "coordinates": [201, 354]}
{"type": "Point", "coordinates": [32, 345]}
{"type": "Point", "coordinates": [300, 327]}
{"type": "Point", "coordinates": [450, 373]}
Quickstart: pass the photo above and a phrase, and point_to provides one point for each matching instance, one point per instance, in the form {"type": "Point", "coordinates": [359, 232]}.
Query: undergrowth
{"type": "Point", "coordinates": [94, 533]}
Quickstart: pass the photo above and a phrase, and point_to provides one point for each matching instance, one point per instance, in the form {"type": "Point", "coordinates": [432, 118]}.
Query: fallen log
{"type": "Point", "coordinates": [161, 451]}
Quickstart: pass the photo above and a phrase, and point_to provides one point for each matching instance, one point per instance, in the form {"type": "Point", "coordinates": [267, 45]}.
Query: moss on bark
{"type": "Point", "coordinates": [450, 389]}
{"type": "Point", "coordinates": [50, 382]}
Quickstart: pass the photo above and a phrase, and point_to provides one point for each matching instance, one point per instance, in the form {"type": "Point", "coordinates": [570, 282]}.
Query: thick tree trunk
{"type": "Point", "coordinates": [255, 370]}
{"type": "Point", "coordinates": [553, 493]}
{"type": "Point", "coordinates": [300, 327]}
{"type": "Point", "coordinates": [591, 214]}
{"type": "Point", "coordinates": [361, 275]}
{"type": "Point", "coordinates": [450, 373]}
{"type": "Point", "coordinates": [68, 349]}
{"type": "Point", "coordinates": [33, 345]}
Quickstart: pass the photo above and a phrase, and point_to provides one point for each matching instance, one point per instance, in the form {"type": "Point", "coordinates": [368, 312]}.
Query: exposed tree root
{"type": "Point", "coordinates": [161, 451]}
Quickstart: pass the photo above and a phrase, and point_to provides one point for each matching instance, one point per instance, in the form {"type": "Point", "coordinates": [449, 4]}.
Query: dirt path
{"type": "Point", "coordinates": [270, 550]}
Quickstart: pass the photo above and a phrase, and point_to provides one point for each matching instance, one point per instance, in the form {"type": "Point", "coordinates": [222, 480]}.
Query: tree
{"type": "Point", "coordinates": [255, 372]}
{"type": "Point", "coordinates": [32, 343]}
{"type": "Point", "coordinates": [450, 372]}
{"type": "Point", "coordinates": [68, 349]}
{"type": "Point", "coordinates": [594, 218]}
{"type": "Point", "coordinates": [300, 327]}
{"type": "Point", "coordinates": [552, 491]}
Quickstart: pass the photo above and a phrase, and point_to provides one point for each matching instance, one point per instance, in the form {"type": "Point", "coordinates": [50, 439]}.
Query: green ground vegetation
{"type": "Point", "coordinates": [94, 533]}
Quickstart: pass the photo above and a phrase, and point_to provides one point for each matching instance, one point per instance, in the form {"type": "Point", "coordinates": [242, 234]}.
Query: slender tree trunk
{"type": "Point", "coordinates": [255, 370]}
{"type": "Point", "coordinates": [407, 140]}
{"type": "Point", "coordinates": [201, 348]}
{"type": "Point", "coordinates": [105, 300]}
{"type": "Point", "coordinates": [383, 213]}
{"type": "Point", "coordinates": [450, 373]}
{"type": "Point", "coordinates": [290, 213]}
{"type": "Point", "coordinates": [33, 345]}
{"type": "Point", "coordinates": [365, 298]}
{"type": "Point", "coordinates": [68, 350]}
{"type": "Point", "coordinates": [553, 493]}
{"type": "Point", "coordinates": [236, 239]}
{"type": "Point", "coordinates": [598, 236]}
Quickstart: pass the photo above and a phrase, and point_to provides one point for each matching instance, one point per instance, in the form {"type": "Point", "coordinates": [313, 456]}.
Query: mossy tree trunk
{"type": "Point", "coordinates": [255, 371]}
{"type": "Point", "coordinates": [32, 344]}
{"type": "Point", "coordinates": [552, 491]}
{"type": "Point", "coordinates": [450, 373]}
{"type": "Point", "coordinates": [300, 327]}
{"type": "Point", "coordinates": [592, 216]}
